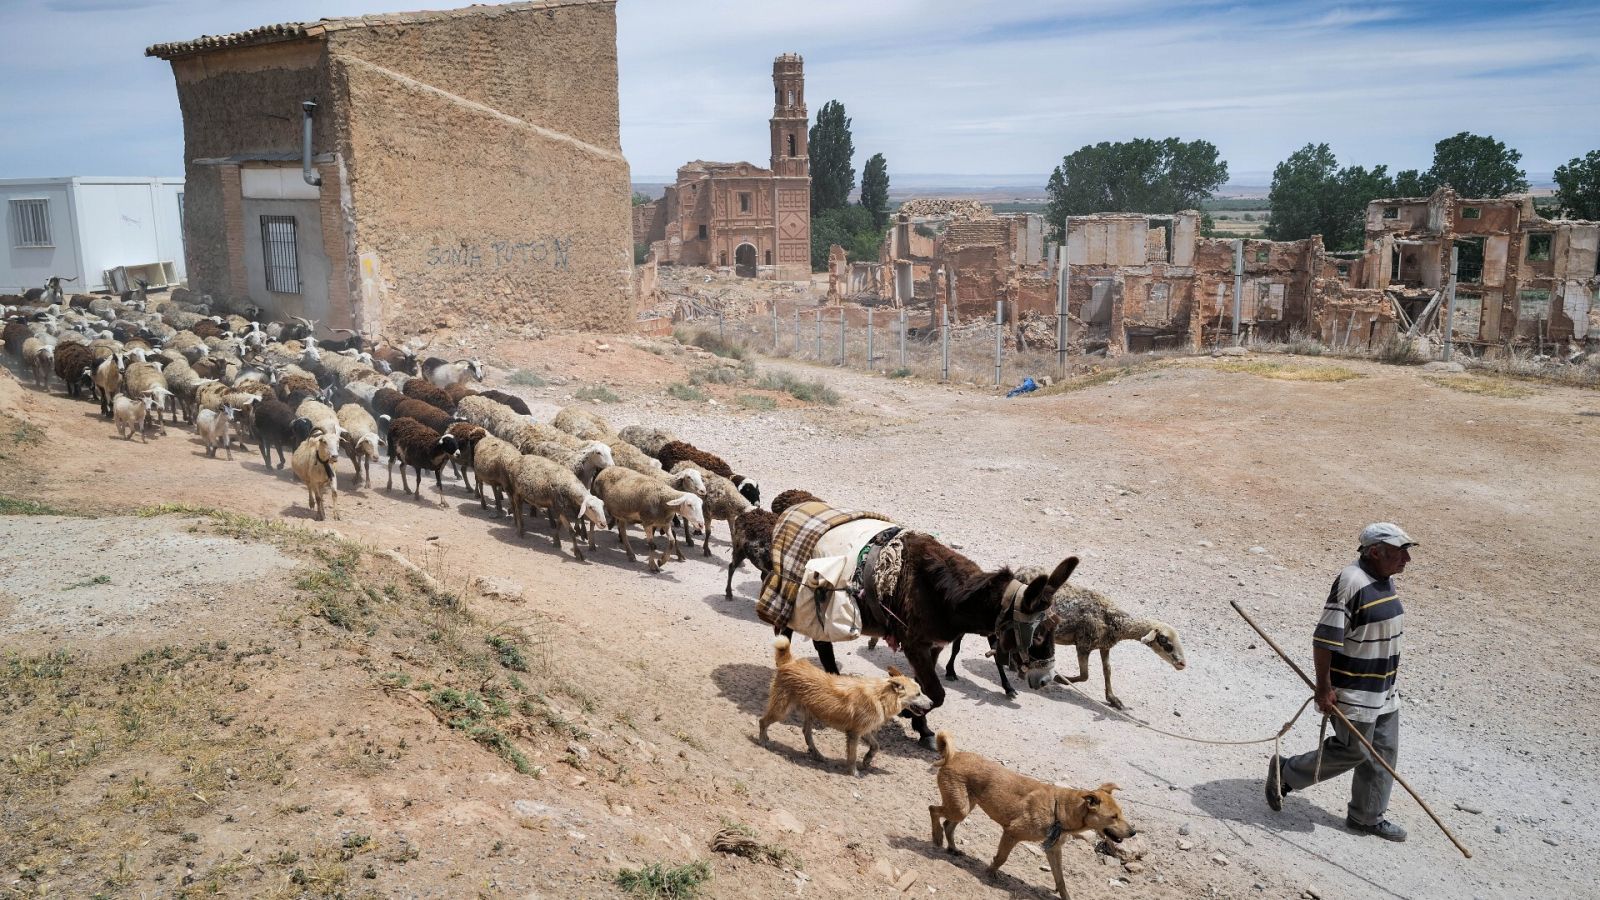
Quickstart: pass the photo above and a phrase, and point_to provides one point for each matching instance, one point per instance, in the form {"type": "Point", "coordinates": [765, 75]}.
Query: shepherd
{"type": "Point", "coordinates": [1356, 648]}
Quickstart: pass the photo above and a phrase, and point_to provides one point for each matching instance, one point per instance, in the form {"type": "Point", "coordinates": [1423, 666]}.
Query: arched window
{"type": "Point", "coordinates": [791, 96]}
{"type": "Point", "coordinates": [769, 257]}
{"type": "Point", "coordinates": [791, 145]}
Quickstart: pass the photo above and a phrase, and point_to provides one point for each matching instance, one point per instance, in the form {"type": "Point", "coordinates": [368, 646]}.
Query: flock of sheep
{"type": "Point", "coordinates": [237, 379]}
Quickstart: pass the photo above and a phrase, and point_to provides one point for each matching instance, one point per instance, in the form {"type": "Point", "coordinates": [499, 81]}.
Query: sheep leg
{"type": "Point", "coordinates": [732, 568]}
{"type": "Point", "coordinates": [577, 552]}
{"type": "Point", "coordinates": [622, 538]}
{"type": "Point", "coordinates": [1105, 669]}
{"type": "Point", "coordinates": [707, 546]}
{"type": "Point", "coordinates": [516, 514]}
{"type": "Point", "coordinates": [438, 479]}
{"type": "Point", "coordinates": [280, 455]}
{"type": "Point", "coordinates": [673, 540]}
{"type": "Point", "coordinates": [390, 485]}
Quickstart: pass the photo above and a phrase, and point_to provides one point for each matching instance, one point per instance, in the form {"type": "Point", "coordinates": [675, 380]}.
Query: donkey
{"type": "Point", "coordinates": [941, 595]}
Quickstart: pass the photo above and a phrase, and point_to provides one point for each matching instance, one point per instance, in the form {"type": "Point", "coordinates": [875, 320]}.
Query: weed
{"type": "Point", "coordinates": [1399, 351]}
{"type": "Point", "coordinates": [473, 714]}
{"type": "Point", "coordinates": [14, 506]}
{"type": "Point", "coordinates": [724, 374]}
{"type": "Point", "coordinates": [98, 579]}
{"type": "Point", "coordinates": [901, 372]}
{"type": "Point", "coordinates": [800, 389]}
{"type": "Point", "coordinates": [687, 392]}
{"type": "Point", "coordinates": [596, 393]}
{"type": "Point", "coordinates": [742, 840]}
{"type": "Point", "coordinates": [1483, 386]}
{"type": "Point", "coordinates": [756, 401]}
{"type": "Point", "coordinates": [1288, 371]}
{"type": "Point", "coordinates": [509, 653]}
{"type": "Point", "coordinates": [527, 379]}
{"type": "Point", "coordinates": [709, 340]}
{"type": "Point", "coordinates": [657, 880]}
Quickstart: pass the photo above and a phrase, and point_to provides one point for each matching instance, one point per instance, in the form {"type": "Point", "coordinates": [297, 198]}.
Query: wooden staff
{"type": "Point", "coordinates": [1376, 756]}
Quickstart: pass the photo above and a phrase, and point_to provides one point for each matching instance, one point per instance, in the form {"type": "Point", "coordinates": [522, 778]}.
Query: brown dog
{"type": "Point", "coordinates": [1026, 809]}
{"type": "Point", "coordinates": [856, 706]}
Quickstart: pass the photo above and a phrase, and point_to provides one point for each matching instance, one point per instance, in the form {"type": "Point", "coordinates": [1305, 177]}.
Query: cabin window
{"type": "Point", "coordinates": [280, 254]}
{"type": "Point", "coordinates": [702, 233]}
{"type": "Point", "coordinates": [744, 203]}
{"type": "Point", "coordinates": [30, 223]}
{"type": "Point", "coordinates": [1472, 212]}
{"type": "Point", "coordinates": [1391, 212]}
{"type": "Point", "coordinates": [769, 257]}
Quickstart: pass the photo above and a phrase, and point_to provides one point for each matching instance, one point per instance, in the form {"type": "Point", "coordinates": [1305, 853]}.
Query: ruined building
{"type": "Point", "coordinates": [465, 166]}
{"type": "Point", "coordinates": [756, 220]}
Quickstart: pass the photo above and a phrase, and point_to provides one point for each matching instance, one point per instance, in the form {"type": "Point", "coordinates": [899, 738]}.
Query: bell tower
{"type": "Point", "coordinates": [789, 119]}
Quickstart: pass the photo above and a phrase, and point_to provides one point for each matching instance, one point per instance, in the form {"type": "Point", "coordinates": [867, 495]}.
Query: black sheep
{"type": "Point", "coordinates": [75, 367]}
{"type": "Point", "coordinates": [275, 427]}
{"type": "Point", "coordinates": [512, 400]}
{"type": "Point", "coordinates": [384, 400]}
{"type": "Point", "coordinates": [426, 413]}
{"type": "Point", "coordinates": [752, 540]}
{"type": "Point", "coordinates": [414, 444]}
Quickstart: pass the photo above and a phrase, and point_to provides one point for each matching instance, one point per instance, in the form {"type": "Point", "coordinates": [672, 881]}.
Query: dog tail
{"type": "Point", "coordinates": [946, 750]}
{"type": "Point", "coordinates": [781, 654]}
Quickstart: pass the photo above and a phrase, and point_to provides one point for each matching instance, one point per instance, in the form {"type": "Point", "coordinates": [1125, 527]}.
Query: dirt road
{"type": "Point", "coordinates": [1183, 488]}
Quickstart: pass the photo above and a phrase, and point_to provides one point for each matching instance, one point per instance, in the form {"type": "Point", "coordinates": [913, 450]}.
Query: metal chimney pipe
{"type": "Point", "coordinates": [309, 107]}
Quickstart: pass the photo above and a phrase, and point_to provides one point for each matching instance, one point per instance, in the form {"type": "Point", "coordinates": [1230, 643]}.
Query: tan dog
{"type": "Point", "coordinates": [856, 706]}
{"type": "Point", "coordinates": [1026, 809]}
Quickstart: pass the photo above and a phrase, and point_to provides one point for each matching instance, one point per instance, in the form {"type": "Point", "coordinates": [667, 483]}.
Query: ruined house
{"type": "Point", "coordinates": [758, 221]}
{"type": "Point", "coordinates": [1521, 278]}
{"type": "Point", "coordinates": [463, 166]}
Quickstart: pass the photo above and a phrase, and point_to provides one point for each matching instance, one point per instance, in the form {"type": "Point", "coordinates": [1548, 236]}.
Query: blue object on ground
{"type": "Point", "coordinates": [1026, 387]}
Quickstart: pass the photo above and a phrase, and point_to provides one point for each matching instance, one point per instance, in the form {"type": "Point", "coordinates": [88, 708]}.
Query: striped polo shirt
{"type": "Point", "coordinates": [1361, 624]}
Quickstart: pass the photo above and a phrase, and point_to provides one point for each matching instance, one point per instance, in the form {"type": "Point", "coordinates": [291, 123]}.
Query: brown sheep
{"type": "Point", "coordinates": [414, 444]}
{"type": "Point", "coordinates": [789, 498]}
{"type": "Point", "coordinates": [422, 389]}
{"type": "Point", "coordinates": [752, 540]}
{"type": "Point", "coordinates": [457, 391]}
{"type": "Point", "coordinates": [74, 366]}
{"type": "Point", "coordinates": [384, 400]}
{"type": "Point", "coordinates": [291, 385]}
{"type": "Point", "coordinates": [426, 413]}
{"type": "Point", "coordinates": [517, 404]}
{"type": "Point", "coordinates": [467, 437]}
{"type": "Point", "coordinates": [674, 452]}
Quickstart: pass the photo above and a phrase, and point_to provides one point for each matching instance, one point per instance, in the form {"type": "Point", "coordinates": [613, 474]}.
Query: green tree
{"type": "Point", "coordinates": [1141, 176]}
{"type": "Point", "coordinates": [1578, 187]}
{"type": "Point", "coordinates": [875, 190]}
{"type": "Point", "coordinates": [831, 150]}
{"type": "Point", "coordinates": [1312, 195]}
{"type": "Point", "coordinates": [850, 227]}
{"type": "Point", "coordinates": [1411, 183]}
{"type": "Point", "coordinates": [1477, 166]}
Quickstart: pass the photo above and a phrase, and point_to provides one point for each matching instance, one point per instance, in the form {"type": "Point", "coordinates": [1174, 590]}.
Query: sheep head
{"type": "Point", "coordinates": [691, 508]}
{"type": "Point", "coordinates": [1163, 639]}
{"type": "Point", "coordinates": [593, 509]}
{"type": "Point", "coordinates": [596, 448]}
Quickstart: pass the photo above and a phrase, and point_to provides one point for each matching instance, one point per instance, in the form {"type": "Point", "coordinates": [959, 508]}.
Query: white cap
{"type": "Point", "coordinates": [1385, 533]}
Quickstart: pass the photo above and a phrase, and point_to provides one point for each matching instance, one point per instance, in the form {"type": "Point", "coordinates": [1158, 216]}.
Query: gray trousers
{"type": "Point", "coordinates": [1341, 752]}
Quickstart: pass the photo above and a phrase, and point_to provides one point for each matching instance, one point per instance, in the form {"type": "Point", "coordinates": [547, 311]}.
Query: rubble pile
{"type": "Point", "coordinates": [945, 208]}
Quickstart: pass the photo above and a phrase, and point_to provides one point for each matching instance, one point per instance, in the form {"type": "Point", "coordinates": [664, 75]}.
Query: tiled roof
{"type": "Point", "coordinates": [290, 31]}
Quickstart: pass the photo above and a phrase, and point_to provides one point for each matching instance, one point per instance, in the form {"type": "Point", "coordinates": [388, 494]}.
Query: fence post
{"type": "Point", "coordinates": [999, 337]}
{"type": "Point", "coordinates": [819, 334]}
{"type": "Point", "coordinates": [721, 333]}
{"type": "Point", "coordinates": [1450, 298]}
{"type": "Point", "coordinates": [843, 319]}
{"type": "Point", "coordinates": [944, 340]}
{"type": "Point", "coordinates": [1061, 317]}
{"type": "Point", "coordinates": [902, 339]}
{"type": "Point", "coordinates": [869, 338]}
{"type": "Point", "coordinates": [799, 340]}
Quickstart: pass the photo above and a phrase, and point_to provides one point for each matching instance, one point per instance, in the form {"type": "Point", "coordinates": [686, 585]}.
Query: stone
{"type": "Point", "coordinates": [1500, 828]}
{"type": "Point", "coordinates": [1133, 867]}
{"type": "Point", "coordinates": [1230, 351]}
{"type": "Point", "coordinates": [578, 750]}
{"type": "Point", "coordinates": [1185, 829]}
{"type": "Point", "coordinates": [1471, 810]}
{"type": "Point", "coordinates": [883, 870]}
{"type": "Point", "coordinates": [1186, 845]}
{"type": "Point", "coordinates": [1219, 859]}
{"type": "Point", "coordinates": [905, 881]}
{"type": "Point", "coordinates": [783, 820]}
{"type": "Point", "coordinates": [1441, 366]}
{"type": "Point", "coordinates": [499, 588]}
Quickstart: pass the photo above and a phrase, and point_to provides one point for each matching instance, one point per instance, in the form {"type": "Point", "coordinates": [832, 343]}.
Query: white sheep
{"type": "Point", "coordinates": [722, 500]}
{"type": "Point", "coordinates": [325, 420]}
{"type": "Point", "coordinates": [582, 424]}
{"type": "Point", "coordinates": [494, 460]}
{"type": "Point", "coordinates": [547, 484]}
{"type": "Point", "coordinates": [650, 440]}
{"type": "Point", "coordinates": [313, 465]}
{"type": "Point", "coordinates": [130, 414]}
{"type": "Point", "coordinates": [633, 498]}
{"type": "Point", "coordinates": [358, 432]}
{"type": "Point", "coordinates": [213, 426]}
{"type": "Point", "coordinates": [584, 462]}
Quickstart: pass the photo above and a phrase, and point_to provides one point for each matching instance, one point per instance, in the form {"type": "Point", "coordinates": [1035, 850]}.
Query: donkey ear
{"type": "Point", "coordinates": [1063, 572]}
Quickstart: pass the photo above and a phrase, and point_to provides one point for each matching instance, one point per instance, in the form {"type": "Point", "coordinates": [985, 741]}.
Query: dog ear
{"type": "Point", "coordinates": [1091, 800]}
{"type": "Point", "coordinates": [894, 672]}
{"type": "Point", "coordinates": [1108, 787]}
{"type": "Point", "coordinates": [1063, 572]}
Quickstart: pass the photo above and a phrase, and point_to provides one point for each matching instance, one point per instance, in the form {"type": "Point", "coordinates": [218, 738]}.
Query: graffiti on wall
{"type": "Point", "coordinates": [502, 254]}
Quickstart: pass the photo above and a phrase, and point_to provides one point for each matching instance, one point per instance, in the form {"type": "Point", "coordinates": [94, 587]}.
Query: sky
{"type": "Point", "coordinates": [940, 87]}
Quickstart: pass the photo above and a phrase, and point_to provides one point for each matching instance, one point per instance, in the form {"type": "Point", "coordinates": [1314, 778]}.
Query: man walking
{"type": "Point", "coordinates": [1356, 647]}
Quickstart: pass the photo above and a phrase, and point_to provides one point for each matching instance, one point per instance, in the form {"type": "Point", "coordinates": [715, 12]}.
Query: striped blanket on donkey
{"type": "Point", "coordinates": [795, 541]}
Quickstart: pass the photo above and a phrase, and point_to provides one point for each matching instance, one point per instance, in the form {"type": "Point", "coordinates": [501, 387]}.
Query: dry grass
{"type": "Point", "coordinates": [1485, 386]}
{"type": "Point", "coordinates": [1288, 371]}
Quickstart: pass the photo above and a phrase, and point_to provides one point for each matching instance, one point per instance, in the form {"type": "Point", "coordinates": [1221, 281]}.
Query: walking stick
{"type": "Point", "coordinates": [1373, 751]}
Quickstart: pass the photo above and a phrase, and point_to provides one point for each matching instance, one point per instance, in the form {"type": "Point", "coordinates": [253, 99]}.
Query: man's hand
{"type": "Point", "coordinates": [1326, 699]}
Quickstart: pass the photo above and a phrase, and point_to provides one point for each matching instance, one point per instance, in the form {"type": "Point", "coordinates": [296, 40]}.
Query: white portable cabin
{"type": "Point", "coordinates": [88, 228]}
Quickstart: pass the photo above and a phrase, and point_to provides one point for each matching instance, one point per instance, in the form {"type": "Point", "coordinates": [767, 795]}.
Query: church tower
{"type": "Point", "coordinates": [791, 169]}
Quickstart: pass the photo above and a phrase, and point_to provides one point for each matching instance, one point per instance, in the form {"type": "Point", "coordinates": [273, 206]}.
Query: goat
{"type": "Point", "coordinates": [540, 482]}
{"type": "Point", "coordinates": [414, 444]}
{"type": "Point", "coordinates": [130, 414]}
{"type": "Point", "coordinates": [213, 427]}
{"type": "Point", "coordinates": [314, 467]}
{"type": "Point", "coordinates": [442, 374]}
{"type": "Point", "coordinates": [634, 498]}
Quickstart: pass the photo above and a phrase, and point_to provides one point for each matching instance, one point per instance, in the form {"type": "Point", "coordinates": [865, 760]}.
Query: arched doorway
{"type": "Point", "coordinates": [744, 261]}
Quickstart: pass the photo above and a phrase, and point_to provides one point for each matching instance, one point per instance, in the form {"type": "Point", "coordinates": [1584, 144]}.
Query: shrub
{"type": "Point", "coordinates": [709, 340]}
{"type": "Point", "coordinates": [757, 401]}
{"type": "Point", "coordinates": [596, 393]}
{"type": "Point", "coordinates": [901, 372]}
{"type": "Point", "coordinates": [656, 880]}
{"type": "Point", "coordinates": [805, 391]}
{"type": "Point", "coordinates": [527, 378]}
{"type": "Point", "coordinates": [686, 392]}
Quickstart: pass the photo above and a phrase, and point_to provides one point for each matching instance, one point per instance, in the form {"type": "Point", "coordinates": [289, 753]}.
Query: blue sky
{"type": "Point", "coordinates": [938, 86]}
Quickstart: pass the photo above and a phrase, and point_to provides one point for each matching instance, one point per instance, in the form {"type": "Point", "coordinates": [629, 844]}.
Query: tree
{"type": "Point", "coordinates": [875, 190]}
{"type": "Point", "coordinates": [831, 150]}
{"type": "Point", "coordinates": [850, 227]}
{"type": "Point", "coordinates": [1411, 183]}
{"type": "Point", "coordinates": [1578, 187]}
{"type": "Point", "coordinates": [1141, 176]}
{"type": "Point", "coordinates": [1477, 166]}
{"type": "Point", "coordinates": [1312, 195]}
{"type": "Point", "coordinates": [640, 199]}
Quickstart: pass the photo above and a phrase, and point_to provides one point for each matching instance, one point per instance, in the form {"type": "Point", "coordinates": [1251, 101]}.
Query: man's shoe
{"type": "Point", "coordinates": [1385, 829]}
{"type": "Point", "coordinates": [1275, 783]}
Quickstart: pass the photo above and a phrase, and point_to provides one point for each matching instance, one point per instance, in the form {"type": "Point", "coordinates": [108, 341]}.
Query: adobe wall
{"type": "Point", "coordinates": [239, 102]}
{"type": "Point", "coordinates": [485, 172]}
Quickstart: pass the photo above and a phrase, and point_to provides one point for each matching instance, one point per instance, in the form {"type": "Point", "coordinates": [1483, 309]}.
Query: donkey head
{"type": "Point", "coordinates": [1025, 638]}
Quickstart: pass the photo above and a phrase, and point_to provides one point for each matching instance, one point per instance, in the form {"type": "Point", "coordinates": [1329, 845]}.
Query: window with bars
{"type": "Point", "coordinates": [30, 223]}
{"type": "Point", "coordinates": [280, 255]}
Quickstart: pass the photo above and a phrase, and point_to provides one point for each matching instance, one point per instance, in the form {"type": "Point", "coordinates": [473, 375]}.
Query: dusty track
{"type": "Point", "coordinates": [1183, 488]}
